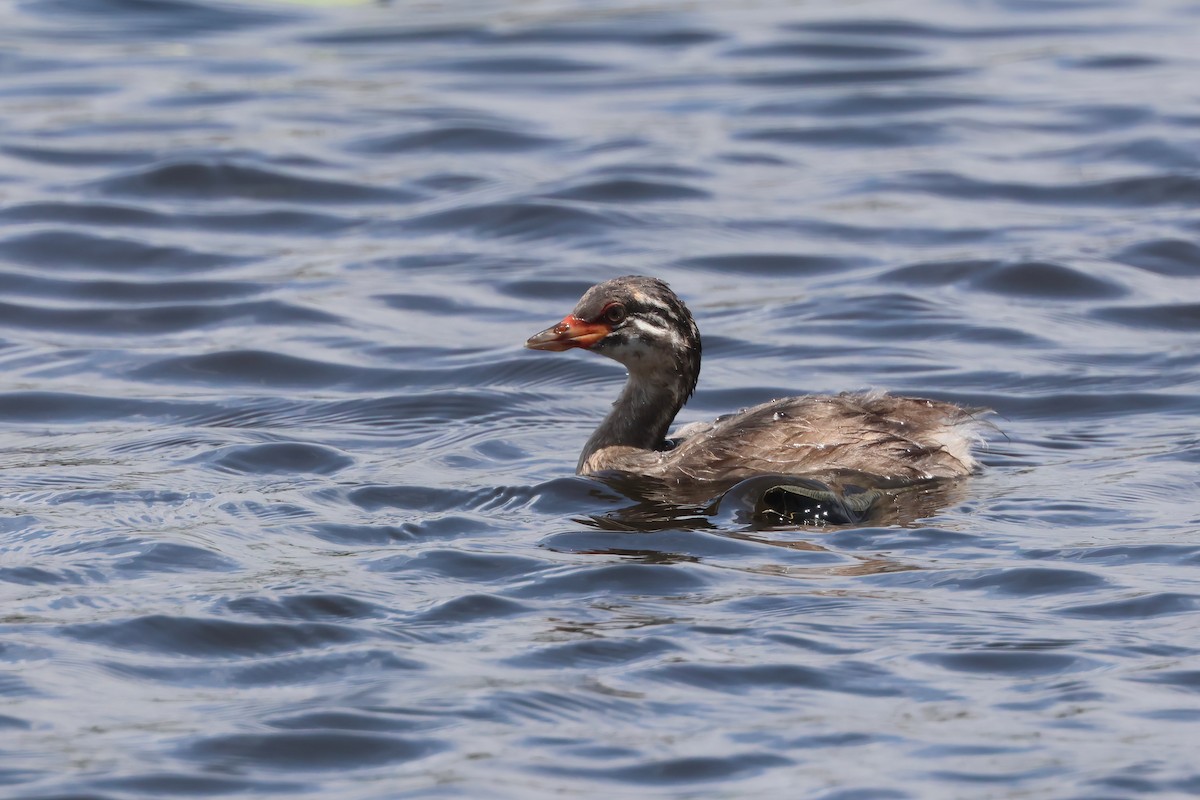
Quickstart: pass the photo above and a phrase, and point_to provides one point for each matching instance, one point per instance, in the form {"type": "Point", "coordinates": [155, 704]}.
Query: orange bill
{"type": "Point", "coordinates": [571, 332]}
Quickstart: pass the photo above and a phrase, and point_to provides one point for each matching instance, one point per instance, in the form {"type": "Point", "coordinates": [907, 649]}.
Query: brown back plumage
{"type": "Point", "coordinates": [899, 438]}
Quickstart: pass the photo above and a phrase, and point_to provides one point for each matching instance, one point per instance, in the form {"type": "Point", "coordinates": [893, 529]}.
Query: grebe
{"type": "Point", "coordinates": [642, 324]}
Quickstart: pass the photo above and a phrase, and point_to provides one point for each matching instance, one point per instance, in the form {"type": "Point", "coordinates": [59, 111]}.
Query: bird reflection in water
{"type": "Point", "coordinates": [778, 511]}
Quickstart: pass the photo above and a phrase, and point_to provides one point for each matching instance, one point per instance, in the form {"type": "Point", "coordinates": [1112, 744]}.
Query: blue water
{"type": "Point", "coordinates": [286, 510]}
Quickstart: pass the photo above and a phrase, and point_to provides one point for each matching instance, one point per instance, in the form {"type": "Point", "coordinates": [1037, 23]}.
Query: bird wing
{"type": "Point", "coordinates": [899, 437]}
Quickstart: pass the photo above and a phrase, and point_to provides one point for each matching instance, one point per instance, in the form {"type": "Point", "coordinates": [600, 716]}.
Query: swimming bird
{"type": "Point", "coordinates": [641, 323]}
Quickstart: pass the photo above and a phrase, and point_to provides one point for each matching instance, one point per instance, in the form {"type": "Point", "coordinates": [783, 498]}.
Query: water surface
{"type": "Point", "coordinates": [288, 511]}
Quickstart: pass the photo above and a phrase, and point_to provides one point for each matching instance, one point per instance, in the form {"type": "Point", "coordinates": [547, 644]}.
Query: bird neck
{"type": "Point", "coordinates": [642, 414]}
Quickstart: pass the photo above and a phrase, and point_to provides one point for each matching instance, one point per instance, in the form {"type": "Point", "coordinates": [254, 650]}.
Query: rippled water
{"type": "Point", "coordinates": [288, 511]}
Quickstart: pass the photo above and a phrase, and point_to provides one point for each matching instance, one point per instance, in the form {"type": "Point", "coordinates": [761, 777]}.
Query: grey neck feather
{"type": "Point", "coordinates": [642, 414]}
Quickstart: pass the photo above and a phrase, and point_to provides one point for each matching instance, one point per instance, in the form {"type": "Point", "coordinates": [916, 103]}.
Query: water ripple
{"type": "Point", "coordinates": [217, 180]}
{"type": "Point", "coordinates": [454, 139]}
{"type": "Point", "coordinates": [1148, 190]}
{"type": "Point", "coordinates": [59, 249]}
{"type": "Point", "coordinates": [323, 750]}
{"type": "Point", "coordinates": [177, 635]}
{"type": "Point", "coordinates": [153, 18]}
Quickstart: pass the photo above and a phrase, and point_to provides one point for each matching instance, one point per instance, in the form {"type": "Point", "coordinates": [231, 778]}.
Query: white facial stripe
{"type": "Point", "coordinates": [654, 330]}
{"type": "Point", "coordinates": [657, 305]}
{"type": "Point", "coordinates": [649, 325]}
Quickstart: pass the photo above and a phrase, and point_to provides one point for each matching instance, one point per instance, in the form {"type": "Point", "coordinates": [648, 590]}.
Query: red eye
{"type": "Point", "coordinates": [614, 314]}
